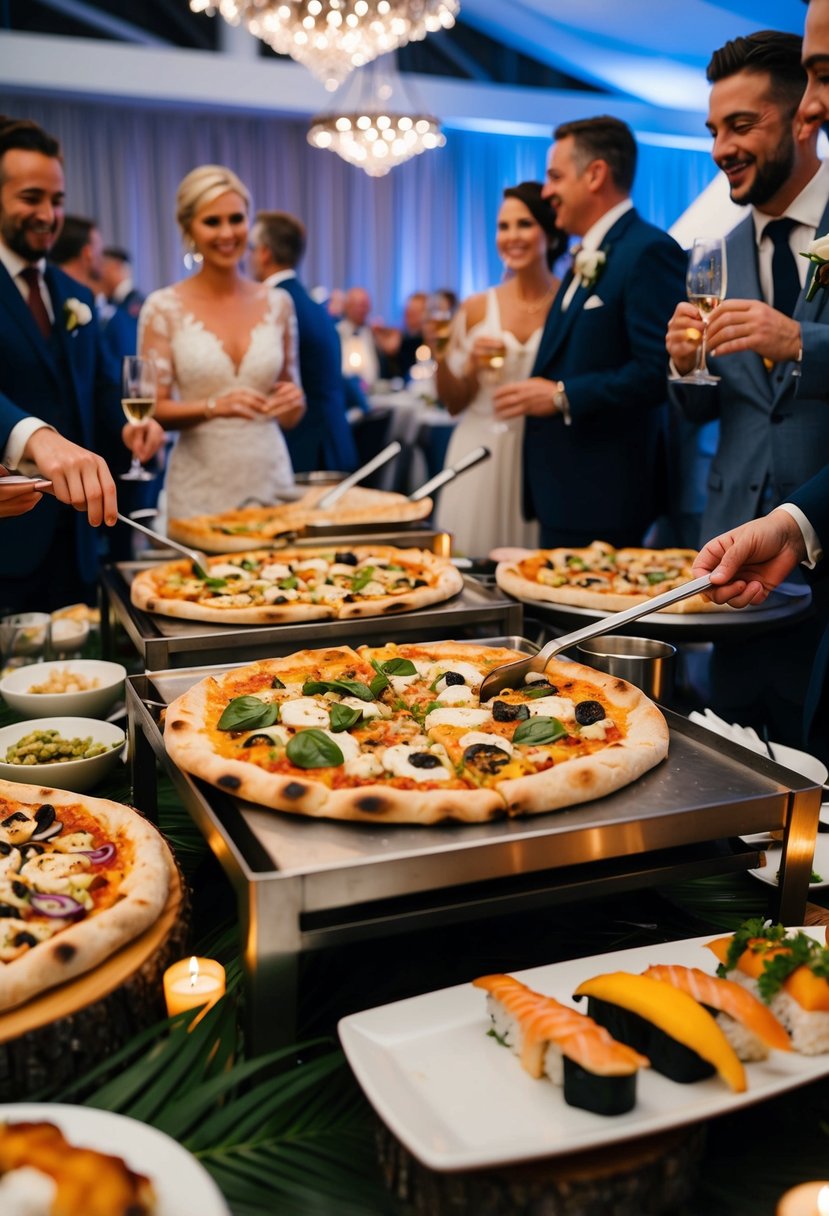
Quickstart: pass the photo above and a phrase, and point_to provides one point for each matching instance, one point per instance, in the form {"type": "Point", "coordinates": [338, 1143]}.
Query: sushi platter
{"type": "Point", "coordinates": [304, 885]}
{"type": "Point", "coordinates": [458, 1100]}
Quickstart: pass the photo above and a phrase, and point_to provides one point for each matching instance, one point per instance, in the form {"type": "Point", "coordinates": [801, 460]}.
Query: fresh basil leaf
{"type": "Point", "coordinates": [656, 576]}
{"type": "Point", "coordinates": [246, 564]}
{"type": "Point", "coordinates": [432, 705]}
{"type": "Point", "coordinates": [399, 667]}
{"type": "Point", "coordinates": [215, 584]}
{"type": "Point", "coordinates": [288, 584]}
{"type": "Point", "coordinates": [277, 683]}
{"type": "Point", "coordinates": [362, 579]}
{"type": "Point", "coordinates": [247, 713]}
{"type": "Point", "coordinates": [343, 717]}
{"type": "Point", "coordinates": [347, 688]}
{"type": "Point", "coordinates": [313, 749]}
{"type": "Point", "coordinates": [533, 693]}
{"type": "Point", "coordinates": [539, 730]}
{"type": "Point", "coordinates": [381, 680]}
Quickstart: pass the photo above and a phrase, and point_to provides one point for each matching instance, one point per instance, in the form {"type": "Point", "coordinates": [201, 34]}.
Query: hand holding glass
{"type": "Point", "coordinates": [139, 387]}
{"type": "Point", "coordinates": [439, 315]}
{"type": "Point", "coordinates": [705, 283]}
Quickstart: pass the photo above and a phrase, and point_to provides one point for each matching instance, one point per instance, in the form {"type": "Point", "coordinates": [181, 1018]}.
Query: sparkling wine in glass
{"type": "Point", "coordinates": [439, 312]}
{"type": "Point", "coordinates": [138, 396]}
{"type": "Point", "coordinates": [705, 283]}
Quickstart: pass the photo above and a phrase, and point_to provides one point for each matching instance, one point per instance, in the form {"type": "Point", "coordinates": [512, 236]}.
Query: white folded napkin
{"type": "Point", "coordinates": [745, 735]}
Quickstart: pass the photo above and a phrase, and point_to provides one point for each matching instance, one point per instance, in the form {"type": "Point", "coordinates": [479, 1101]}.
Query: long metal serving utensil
{"type": "Point", "coordinates": [376, 462]}
{"type": "Point", "coordinates": [196, 556]}
{"type": "Point", "coordinates": [508, 675]}
{"type": "Point", "coordinates": [440, 479]}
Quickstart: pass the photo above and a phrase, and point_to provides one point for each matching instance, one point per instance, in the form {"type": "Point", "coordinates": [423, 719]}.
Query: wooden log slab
{"type": "Point", "coordinates": [56, 1037]}
{"type": "Point", "coordinates": [651, 1176]}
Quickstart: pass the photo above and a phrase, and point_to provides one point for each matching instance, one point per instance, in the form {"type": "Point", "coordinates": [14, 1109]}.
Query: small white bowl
{"type": "Point", "coordinates": [75, 775]}
{"type": "Point", "coordinates": [88, 703]}
{"type": "Point", "coordinates": [68, 635]}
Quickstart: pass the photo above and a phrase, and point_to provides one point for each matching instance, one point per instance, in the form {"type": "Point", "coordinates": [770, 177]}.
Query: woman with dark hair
{"type": "Point", "coordinates": [494, 340]}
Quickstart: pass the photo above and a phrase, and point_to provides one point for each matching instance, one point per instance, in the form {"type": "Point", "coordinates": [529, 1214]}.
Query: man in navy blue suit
{"type": "Point", "coordinates": [58, 403]}
{"type": "Point", "coordinates": [751, 560]}
{"type": "Point", "coordinates": [594, 430]}
{"type": "Point", "coordinates": [323, 438]}
{"type": "Point", "coordinates": [124, 300]}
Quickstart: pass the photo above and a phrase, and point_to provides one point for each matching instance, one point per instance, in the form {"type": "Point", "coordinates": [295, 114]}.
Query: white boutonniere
{"type": "Point", "coordinates": [76, 313]}
{"type": "Point", "coordinates": [818, 255]}
{"type": "Point", "coordinates": [588, 264]}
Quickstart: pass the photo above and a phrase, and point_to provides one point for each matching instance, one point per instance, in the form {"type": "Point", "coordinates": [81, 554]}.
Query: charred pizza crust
{"type": "Point", "coordinates": [236, 531]}
{"type": "Point", "coordinates": [602, 578]}
{"type": "Point", "coordinates": [142, 876]}
{"type": "Point", "coordinates": [577, 770]}
{"type": "Point", "coordinates": [401, 580]}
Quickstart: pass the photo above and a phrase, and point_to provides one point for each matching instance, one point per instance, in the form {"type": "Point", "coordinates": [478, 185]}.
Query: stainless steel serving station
{"type": "Point", "coordinates": [165, 642]}
{"type": "Point", "coordinates": [304, 884]}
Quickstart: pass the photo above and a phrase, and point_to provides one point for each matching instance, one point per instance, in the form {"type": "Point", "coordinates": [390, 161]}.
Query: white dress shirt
{"type": "Point", "coordinates": [592, 240]}
{"type": "Point", "coordinates": [360, 356]}
{"type": "Point", "coordinates": [807, 209]}
{"type": "Point", "coordinates": [21, 433]}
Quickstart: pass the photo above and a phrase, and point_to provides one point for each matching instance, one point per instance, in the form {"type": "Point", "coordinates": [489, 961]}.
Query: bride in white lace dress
{"type": "Point", "coordinates": [226, 350]}
{"type": "Point", "coordinates": [483, 508]}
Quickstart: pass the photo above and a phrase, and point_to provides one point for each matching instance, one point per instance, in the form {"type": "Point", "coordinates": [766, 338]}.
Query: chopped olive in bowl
{"type": "Point", "coordinates": [67, 753]}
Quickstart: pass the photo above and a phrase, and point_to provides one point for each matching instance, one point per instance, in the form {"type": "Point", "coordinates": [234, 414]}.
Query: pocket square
{"type": "Point", "coordinates": [593, 302]}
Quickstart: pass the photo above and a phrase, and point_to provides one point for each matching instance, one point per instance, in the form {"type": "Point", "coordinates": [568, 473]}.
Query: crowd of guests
{"type": "Point", "coordinates": [573, 382]}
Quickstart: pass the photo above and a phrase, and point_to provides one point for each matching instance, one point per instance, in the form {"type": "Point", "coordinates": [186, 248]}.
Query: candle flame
{"type": "Point", "coordinates": [823, 1201]}
{"type": "Point", "coordinates": [194, 971]}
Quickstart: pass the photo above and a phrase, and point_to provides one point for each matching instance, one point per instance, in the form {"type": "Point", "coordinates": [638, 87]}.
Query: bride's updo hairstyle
{"type": "Point", "coordinates": [529, 193]}
{"type": "Point", "coordinates": [202, 186]}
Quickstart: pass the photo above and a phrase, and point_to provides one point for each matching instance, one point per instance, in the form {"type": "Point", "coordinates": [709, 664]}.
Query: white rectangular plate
{"type": "Point", "coordinates": [458, 1100]}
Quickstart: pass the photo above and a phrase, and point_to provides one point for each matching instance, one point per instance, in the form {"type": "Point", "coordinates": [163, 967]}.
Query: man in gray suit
{"type": "Point", "coordinates": [767, 343]}
{"type": "Point", "coordinates": [771, 353]}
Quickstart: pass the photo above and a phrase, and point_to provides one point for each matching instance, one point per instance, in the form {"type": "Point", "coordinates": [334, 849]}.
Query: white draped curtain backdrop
{"type": "Point", "coordinates": [429, 224]}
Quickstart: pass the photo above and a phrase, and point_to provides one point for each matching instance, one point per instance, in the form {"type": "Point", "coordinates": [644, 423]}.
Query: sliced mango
{"type": "Point", "coordinates": [810, 992]}
{"type": "Point", "coordinates": [674, 1012]}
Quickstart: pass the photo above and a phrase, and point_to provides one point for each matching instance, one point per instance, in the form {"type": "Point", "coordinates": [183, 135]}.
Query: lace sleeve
{"type": "Point", "coordinates": [154, 338]}
{"type": "Point", "coordinates": [285, 315]}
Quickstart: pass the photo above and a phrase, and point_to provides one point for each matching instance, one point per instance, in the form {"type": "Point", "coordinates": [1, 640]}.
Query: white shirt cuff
{"type": "Point", "coordinates": [16, 443]}
{"type": "Point", "coordinates": [814, 551]}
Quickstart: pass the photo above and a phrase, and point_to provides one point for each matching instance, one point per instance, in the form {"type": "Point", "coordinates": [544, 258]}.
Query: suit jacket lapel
{"type": "Point", "coordinates": [18, 312]}
{"type": "Point", "coordinates": [812, 310]}
{"type": "Point", "coordinates": [743, 280]}
{"type": "Point", "coordinates": [64, 337]}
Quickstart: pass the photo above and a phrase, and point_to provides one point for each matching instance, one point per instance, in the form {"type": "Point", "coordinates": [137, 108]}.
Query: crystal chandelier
{"type": "Point", "coordinates": [330, 37]}
{"type": "Point", "coordinates": [381, 127]}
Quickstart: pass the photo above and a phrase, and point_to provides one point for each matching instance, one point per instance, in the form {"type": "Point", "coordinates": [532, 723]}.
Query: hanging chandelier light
{"type": "Point", "coordinates": [331, 37]}
{"type": "Point", "coordinates": [382, 126]}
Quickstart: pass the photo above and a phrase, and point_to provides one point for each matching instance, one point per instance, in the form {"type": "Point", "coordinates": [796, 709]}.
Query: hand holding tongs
{"type": "Point", "coordinates": [199, 559]}
{"type": "Point", "coordinates": [440, 479]}
{"type": "Point", "coordinates": [376, 462]}
{"type": "Point", "coordinates": [508, 675]}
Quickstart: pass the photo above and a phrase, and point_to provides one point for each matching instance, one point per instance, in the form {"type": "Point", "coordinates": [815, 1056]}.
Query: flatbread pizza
{"type": "Point", "coordinates": [396, 734]}
{"type": "Point", "coordinates": [248, 527]}
{"type": "Point", "coordinates": [602, 578]}
{"type": "Point", "coordinates": [79, 878]}
{"type": "Point", "coordinates": [261, 587]}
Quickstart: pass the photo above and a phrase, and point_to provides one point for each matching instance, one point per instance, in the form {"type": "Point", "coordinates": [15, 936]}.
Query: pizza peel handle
{"type": "Point", "coordinates": [196, 556]}
{"type": "Point", "coordinates": [387, 454]}
{"type": "Point", "coordinates": [511, 674]}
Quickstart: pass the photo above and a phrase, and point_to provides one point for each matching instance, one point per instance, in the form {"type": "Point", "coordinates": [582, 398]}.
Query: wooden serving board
{"type": "Point", "coordinates": [53, 1038]}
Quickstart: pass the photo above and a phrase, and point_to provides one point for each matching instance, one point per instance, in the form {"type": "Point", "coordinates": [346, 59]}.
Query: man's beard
{"type": "Point", "coordinates": [771, 177]}
{"type": "Point", "coordinates": [14, 237]}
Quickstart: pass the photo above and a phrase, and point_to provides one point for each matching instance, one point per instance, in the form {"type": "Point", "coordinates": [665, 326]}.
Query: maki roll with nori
{"type": "Point", "coordinates": [680, 1038]}
{"type": "Point", "coordinates": [568, 1047]}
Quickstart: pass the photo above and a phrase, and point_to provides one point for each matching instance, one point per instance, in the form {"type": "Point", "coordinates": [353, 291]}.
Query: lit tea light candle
{"type": "Point", "coordinates": [191, 983]}
{"type": "Point", "coordinates": [808, 1199]}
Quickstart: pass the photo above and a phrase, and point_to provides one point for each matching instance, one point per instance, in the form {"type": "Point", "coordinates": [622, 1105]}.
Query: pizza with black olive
{"type": "Point", "coordinates": [79, 877]}
{"type": "Point", "coordinates": [262, 587]}
{"type": "Point", "coordinates": [602, 578]}
{"type": "Point", "coordinates": [397, 734]}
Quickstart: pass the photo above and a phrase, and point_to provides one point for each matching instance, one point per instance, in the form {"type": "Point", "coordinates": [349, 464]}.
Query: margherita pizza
{"type": "Point", "coordinates": [396, 734]}
{"type": "Point", "coordinates": [267, 588]}
{"type": "Point", "coordinates": [601, 577]}
{"type": "Point", "coordinates": [79, 877]}
{"type": "Point", "coordinates": [235, 531]}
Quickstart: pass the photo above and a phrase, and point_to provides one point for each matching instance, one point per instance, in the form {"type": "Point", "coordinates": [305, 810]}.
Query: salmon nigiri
{"type": "Point", "coordinates": [750, 1027]}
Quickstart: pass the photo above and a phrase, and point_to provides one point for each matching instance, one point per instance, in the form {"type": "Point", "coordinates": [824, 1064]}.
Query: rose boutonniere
{"type": "Point", "coordinates": [588, 264]}
{"type": "Point", "coordinates": [818, 254]}
{"type": "Point", "coordinates": [76, 313]}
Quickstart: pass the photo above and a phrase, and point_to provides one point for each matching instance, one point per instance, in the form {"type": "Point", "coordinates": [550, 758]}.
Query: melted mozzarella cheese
{"type": "Point", "coordinates": [597, 730]}
{"type": "Point", "coordinates": [54, 872]}
{"type": "Point", "coordinates": [461, 715]}
{"type": "Point", "coordinates": [349, 746]}
{"type": "Point", "coordinates": [365, 765]}
{"type": "Point", "coordinates": [533, 677]}
{"type": "Point", "coordinates": [483, 736]}
{"type": "Point", "coordinates": [231, 601]}
{"type": "Point", "coordinates": [74, 842]}
{"type": "Point", "coordinates": [343, 569]}
{"type": "Point", "coordinates": [396, 761]}
{"type": "Point", "coordinates": [274, 571]}
{"type": "Point", "coordinates": [227, 570]}
{"type": "Point", "coordinates": [401, 683]}
{"type": "Point", "coordinates": [277, 734]}
{"type": "Point", "coordinates": [27, 1191]}
{"type": "Point", "coordinates": [328, 591]}
{"type": "Point", "coordinates": [455, 694]}
{"type": "Point", "coordinates": [19, 831]}
{"type": "Point", "coordinates": [369, 709]}
{"type": "Point", "coordinates": [10, 926]}
{"type": "Point", "coordinates": [316, 564]}
{"type": "Point", "coordinates": [552, 707]}
{"type": "Point", "coordinates": [10, 864]}
{"type": "Point", "coordinates": [372, 587]}
{"type": "Point", "coordinates": [472, 675]}
{"type": "Point", "coordinates": [273, 593]}
{"type": "Point", "coordinates": [305, 711]}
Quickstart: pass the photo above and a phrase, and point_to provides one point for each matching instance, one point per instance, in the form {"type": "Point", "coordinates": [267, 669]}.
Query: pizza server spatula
{"type": "Point", "coordinates": [440, 479]}
{"type": "Point", "coordinates": [509, 675]}
{"type": "Point", "coordinates": [196, 556]}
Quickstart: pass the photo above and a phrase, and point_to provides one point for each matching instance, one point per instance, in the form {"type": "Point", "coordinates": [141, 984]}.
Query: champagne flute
{"type": "Point", "coordinates": [705, 283]}
{"type": "Point", "coordinates": [490, 356]}
{"type": "Point", "coordinates": [439, 314]}
{"type": "Point", "coordinates": [139, 385]}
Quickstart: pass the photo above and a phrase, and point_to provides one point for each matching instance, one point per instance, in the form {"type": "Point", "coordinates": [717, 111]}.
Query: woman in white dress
{"type": "Point", "coordinates": [495, 336]}
{"type": "Point", "coordinates": [226, 350]}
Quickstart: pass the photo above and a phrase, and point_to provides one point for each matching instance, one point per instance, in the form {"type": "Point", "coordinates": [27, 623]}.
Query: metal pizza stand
{"type": "Point", "coordinates": [306, 884]}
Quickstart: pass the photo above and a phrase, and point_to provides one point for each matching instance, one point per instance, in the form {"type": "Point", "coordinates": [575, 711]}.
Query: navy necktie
{"type": "Point", "coordinates": [31, 276]}
{"type": "Point", "coordinates": [784, 274]}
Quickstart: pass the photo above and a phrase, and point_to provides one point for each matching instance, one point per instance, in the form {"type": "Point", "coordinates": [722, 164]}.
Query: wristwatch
{"type": "Point", "coordinates": [561, 403]}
